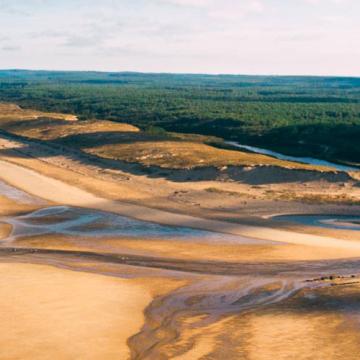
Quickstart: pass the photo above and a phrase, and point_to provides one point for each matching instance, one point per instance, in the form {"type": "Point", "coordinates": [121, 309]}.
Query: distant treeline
{"type": "Point", "coordinates": [314, 116]}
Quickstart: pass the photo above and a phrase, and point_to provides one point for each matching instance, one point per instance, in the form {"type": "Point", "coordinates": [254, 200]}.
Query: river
{"type": "Point", "coordinates": [303, 160]}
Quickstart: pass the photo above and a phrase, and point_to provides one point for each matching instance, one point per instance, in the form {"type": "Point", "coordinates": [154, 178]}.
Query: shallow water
{"type": "Point", "coordinates": [17, 195]}
{"type": "Point", "coordinates": [324, 221]}
{"type": "Point", "coordinates": [303, 160]}
{"type": "Point", "coordinates": [72, 221]}
{"type": "Point", "coordinates": [81, 222]}
{"type": "Point", "coordinates": [213, 291]}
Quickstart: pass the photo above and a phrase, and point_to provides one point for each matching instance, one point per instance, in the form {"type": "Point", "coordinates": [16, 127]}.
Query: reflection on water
{"type": "Point", "coordinates": [73, 221]}
{"type": "Point", "coordinates": [325, 221]}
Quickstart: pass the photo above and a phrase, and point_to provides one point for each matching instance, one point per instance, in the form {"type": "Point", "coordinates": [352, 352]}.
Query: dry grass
{"type": "Point", "coordinates": [312, 198]}
{"type": "Point", "coordinates": [127, 143]}
{"type": "Point", "coordinates": [48, 130]}
{"type": "Point", "coordinates": [11, 112]}
{"type": "Point", "coordinates": [51, 126]}
{"type": "Point", "coordinates": [187, 154]}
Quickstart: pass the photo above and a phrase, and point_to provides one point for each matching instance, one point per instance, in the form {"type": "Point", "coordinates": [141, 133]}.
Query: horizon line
{"type": "Point", "coordinates": [180, 73]}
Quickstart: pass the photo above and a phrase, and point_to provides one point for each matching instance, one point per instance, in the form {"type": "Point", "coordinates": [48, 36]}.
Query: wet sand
{"type": "Point", "coordinates": [334, 222]}
{"type": "Point", "coordinates": [51, 309]}
{"type": "Point", "coordinates": [49, 313]}
{"type": "Point", "coordinates": [60, 192]}
{"type": "Point", "coordinates": [168, 298]}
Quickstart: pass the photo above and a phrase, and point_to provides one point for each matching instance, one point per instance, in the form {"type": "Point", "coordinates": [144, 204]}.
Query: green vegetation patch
{"type": "Point", "coordinates": [308, 116]}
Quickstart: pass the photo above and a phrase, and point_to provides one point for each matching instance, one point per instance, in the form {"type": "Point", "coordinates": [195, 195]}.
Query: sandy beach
{"type": "Point", "coordinates": [62, 193]}
{"type": "Point", "coordinates": [55, 313]}
{"type": "Point", "coordinates": [180, 180]}
{"type": "Point", "coordinates": [162, 297]}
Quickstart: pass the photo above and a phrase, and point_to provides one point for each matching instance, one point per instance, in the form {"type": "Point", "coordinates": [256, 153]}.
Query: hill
{"type": "Point", "coordinates": [125, 142]}
{"type": "Point", "coordinates": [311, 116]}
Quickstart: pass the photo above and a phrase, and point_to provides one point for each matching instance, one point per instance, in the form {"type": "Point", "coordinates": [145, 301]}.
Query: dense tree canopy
{"type": "Point", "coordinates": [308, 115]}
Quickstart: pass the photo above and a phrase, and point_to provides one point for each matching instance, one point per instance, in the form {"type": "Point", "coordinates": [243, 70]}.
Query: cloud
{"type": "Point", "coordinates": [180, 35]}
{"type": "Point", "coordinates": [11, 48]}
{"type": "Point", "coordinates": [301, 36]}
{"type": "Point", "coordinates": [232, 10]}
{"type": "Point", "coordinates": [225, 10]}
{"type": "Point", "coordinates": [327, 2]}
{"type": "Point", "coordinates": [188, 3]}
{"type": "Point", "coordinates": [82, 41]}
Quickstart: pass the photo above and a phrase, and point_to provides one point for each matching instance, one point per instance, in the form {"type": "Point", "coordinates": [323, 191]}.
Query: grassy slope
{"type": "Point", "coordinates": [12, 112]}
{"type": "Point", "coordinates": [127, 143]}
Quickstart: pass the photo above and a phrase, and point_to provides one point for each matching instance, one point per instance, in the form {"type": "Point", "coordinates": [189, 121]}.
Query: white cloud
{"type": "Point", "coordinates": [254, 36]}
{"type": "Point", "coordinates": [214, 5]}
{"type": "Point", "coordinates": [191, 3]}
{"type": "Point", "coordinates": [327, 2]}
{"type": "Point", "coordinates": [11, 48]}
{"type": "Point", "coordinates": [232, 10]}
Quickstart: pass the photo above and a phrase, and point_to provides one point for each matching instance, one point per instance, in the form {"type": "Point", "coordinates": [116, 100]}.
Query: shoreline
{"type": "Point", "coordinates": [60, 192]}
{"type": "Point", "coordinates": [149, 291]}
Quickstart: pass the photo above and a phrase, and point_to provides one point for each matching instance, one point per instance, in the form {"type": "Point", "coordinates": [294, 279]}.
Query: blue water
{"type": "Point", "coordinates": [72, 221]}
{"type": "Point", "coordinates": [341, 222]}
{"type": "Point", "coordinates": [303, 160]}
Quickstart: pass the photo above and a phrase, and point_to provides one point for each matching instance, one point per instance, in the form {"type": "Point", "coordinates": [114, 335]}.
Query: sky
{"type": "Point", "coordinates": [298, 37]}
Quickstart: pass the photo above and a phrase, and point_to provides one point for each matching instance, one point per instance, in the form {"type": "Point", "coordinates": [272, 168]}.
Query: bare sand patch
{"type": "Point", "coordinates": [4, 230]}
{"type": "Point", "coordinates": [51, 313]}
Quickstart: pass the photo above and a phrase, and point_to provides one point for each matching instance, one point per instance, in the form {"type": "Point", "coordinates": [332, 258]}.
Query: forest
{"type": "Point", "coordinates": [308, 116]}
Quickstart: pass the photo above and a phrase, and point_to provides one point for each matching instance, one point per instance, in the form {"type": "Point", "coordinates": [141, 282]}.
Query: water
{"type": "Point", "coordinates": [72, 221]}
{"type": "Point", "coordinates": [304, 160]}
{"type": "Point", "coordinates": [213, 291]}
{"type": "Point", "coordinates": [341, 222]}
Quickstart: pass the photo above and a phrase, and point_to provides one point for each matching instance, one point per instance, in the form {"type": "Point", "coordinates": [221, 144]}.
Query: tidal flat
{"type": "Point", "coordinates": [79, 282]}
